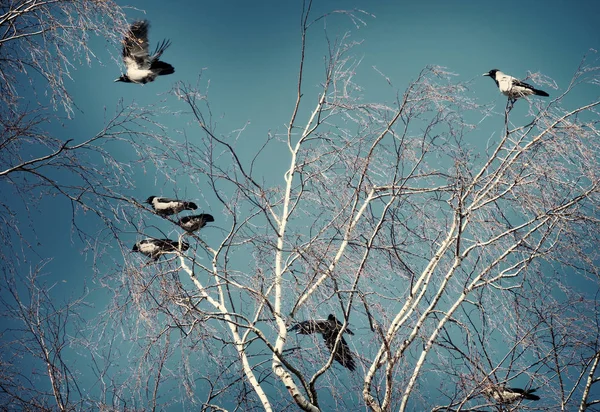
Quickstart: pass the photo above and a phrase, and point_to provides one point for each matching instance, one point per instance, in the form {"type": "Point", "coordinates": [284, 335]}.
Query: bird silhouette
{"type": "Point", "coordinates": [502, 394]}
{"type": "Point", "coordinates": [155, 248]}
{"type": "Point", "coordinates": [513, 87]}
{"type": "Point", "coordinates": [166, 207]}
{"type": "Point", "coordinates": [141, 66]}
{"type": "Point", "coordinates": [195, 222]}
{"type": "Point", "coordinates": [329, 328]}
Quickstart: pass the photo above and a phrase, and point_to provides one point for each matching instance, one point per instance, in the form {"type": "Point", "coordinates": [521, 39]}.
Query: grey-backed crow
{"type": "Point", "coordinates": [330, 329]}
{"type": "Point", "coordinates": [513, 87]}
{"type": "Point", "coordinates": [195, 222]}
{"type": "Point", "coordinates": [155, 248]}
{"type": "Point", "coordinates": [141, 66]}
{"type": "Point", "coordinates": [166, 207]}
{"type": "Point", "coordinates": [506, 395]}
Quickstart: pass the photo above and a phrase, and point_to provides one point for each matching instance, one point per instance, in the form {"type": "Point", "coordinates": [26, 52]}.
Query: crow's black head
{"type": "Point", "coordinates": [491, 73]}
{"type": "Point", "coordinates": [150, 199]}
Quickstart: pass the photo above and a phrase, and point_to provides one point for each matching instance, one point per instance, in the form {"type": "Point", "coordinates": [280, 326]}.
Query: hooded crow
{"type": "Point", "coordinates": [155, 248]}
{"type": "Point", "coordinates": [141, 67]}
{"type": "Point", "coordinates": [195, 222]}
{"type": "Point", "coordinates": [502, 394]}
{"type": "Point", "coordinates": [166, 207]}
{"type": "Point", "coordinates": [329, 328]}
{"type": "Point", "coordinates": [513, 87]}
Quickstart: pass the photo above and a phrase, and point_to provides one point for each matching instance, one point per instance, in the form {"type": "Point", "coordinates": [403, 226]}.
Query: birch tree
{"type": "Point", "coordinates": [457, 267]}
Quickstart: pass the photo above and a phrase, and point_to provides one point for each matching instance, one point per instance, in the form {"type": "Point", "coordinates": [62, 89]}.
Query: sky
{"type": "Point", "coordinates": [248, 52]}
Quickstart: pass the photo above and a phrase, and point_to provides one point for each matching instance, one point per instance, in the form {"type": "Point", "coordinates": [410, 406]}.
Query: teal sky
{"type": "Point", "coordinates": [248, 53]}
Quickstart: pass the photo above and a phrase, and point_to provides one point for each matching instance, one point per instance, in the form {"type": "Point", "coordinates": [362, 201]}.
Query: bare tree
{"type": "Point", "coordinates": [40, 42]}
{"type": "Point", "coordinates": [36, 334]}
{"type": "Point", "coordinates": [453, 265]}
{"type": "Point", "coordinates": [450, 263]}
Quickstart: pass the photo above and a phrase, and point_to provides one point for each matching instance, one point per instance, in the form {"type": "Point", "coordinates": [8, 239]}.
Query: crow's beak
{"type": "Point", "coordinates": [485, 74]}
{"type": "Point", "coordinates": [117, 80]}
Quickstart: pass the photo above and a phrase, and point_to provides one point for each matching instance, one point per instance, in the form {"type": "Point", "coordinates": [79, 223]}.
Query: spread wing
{"type": "Point", "coordinates": [159, 66]}
{"type": "Point", "coordinates": [135, 46]}
{"type": "Point", "coordinates": [343, 354]}
{"type": "Point", "coordinates": [308, 327]}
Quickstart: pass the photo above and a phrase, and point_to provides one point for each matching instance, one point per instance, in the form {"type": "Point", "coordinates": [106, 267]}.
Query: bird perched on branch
{"type": "Point", "coordinates": [506, 395]}
{"type": "Point", "coordinates": [513, 87]}
{"type": "Point", "coordinates": [195, 222]}
{"type": "Point", "coordinates": [166, 207]}
{"type": "Point", "coordinates": [141, 66]}
{"type": "Point", "coordinates": [155, 248]}
{"type": "Point", "coordinates": [329, 328]}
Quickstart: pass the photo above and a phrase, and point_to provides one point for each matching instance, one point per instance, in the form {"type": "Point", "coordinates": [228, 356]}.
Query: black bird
{"type": "Point", "coordinates": [166, 207]}
{"type": "Point", "coordinates": [513, 87]}
{"type": "Point", "coordinates": [195, 222]}
{"type": "Point", "coordinates": [155, 248]}
{"type": "Point", "coordinates": [141, 67]}
{"type": "Point", "coordinates": [506, 395]}
{"type": "Point", "coordinates": [330, 329]}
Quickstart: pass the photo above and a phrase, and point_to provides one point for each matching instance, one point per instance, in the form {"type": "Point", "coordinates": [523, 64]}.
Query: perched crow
{"type": "Point", "coordinates": [141, 67]}
{"type": "Point", "coordinates": [195, 222]}
{"type": "Point", "coordinates": [506, 395]}
{"type": "Point", "coordinates": [513, 87]}
{"type": "Point", "coordinates": [167, 207]}
{"type": "Point", "coordinates": [329, 328]}
{"type": "Point", "coordinates": [155, 248]}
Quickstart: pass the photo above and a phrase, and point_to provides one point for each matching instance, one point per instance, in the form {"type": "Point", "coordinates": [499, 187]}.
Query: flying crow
{"type": "Point", "coordinates": [513, 87]}
{"type": "Point", "coordinates": [195, 222]}
{"type": "Point", "coordinates": [506, 395]}
{"type": "Point", "coordinates": [330, 329]}
{"type": "Point", "coordinates": [141, 67]}
{"type": "Point", "coordinates": [166, 207]}
{"type": "Point", "coordinates": [155, 248]}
